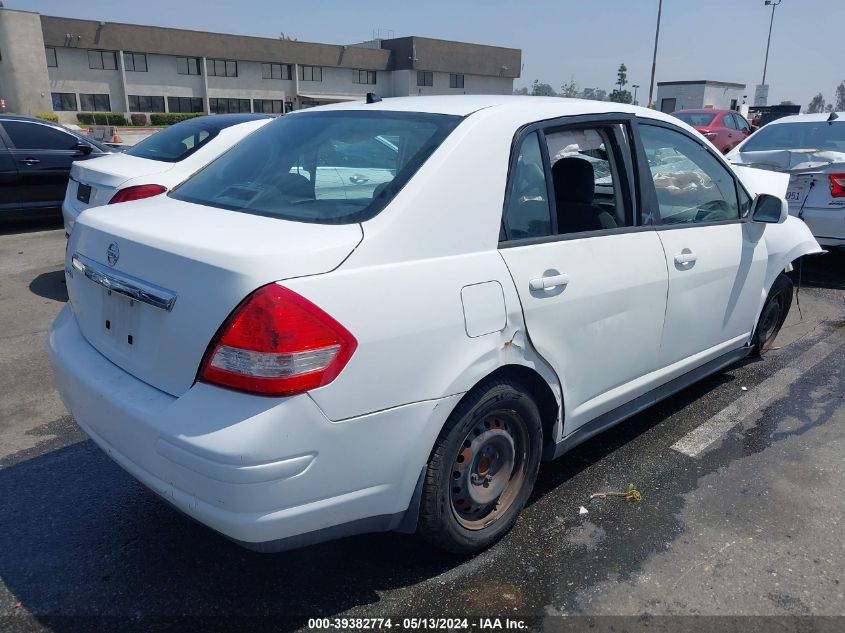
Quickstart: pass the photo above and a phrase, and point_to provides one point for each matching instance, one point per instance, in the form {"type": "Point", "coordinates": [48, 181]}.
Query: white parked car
{"type": "Point", "coordinates": [811, 149]}
{"type": "Point", "coordinates": [287, 364]}
{"type": "Point", "coordinates": [156, 164]}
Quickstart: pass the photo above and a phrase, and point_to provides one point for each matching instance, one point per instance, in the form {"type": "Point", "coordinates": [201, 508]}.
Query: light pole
{"type": "Point", "coordinates": [635, 86]}
{"type": "Point", "coordinates": [774, 4]}
{"type": "Point", "coordinates": [654, 57]}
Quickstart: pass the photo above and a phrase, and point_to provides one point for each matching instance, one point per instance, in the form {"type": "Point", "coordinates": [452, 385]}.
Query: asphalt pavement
{"type": "Point", "coordinates": [742, 513]}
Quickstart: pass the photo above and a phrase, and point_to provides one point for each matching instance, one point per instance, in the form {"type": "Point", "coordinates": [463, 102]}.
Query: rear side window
{"type": "Point", "coordinates": [527, 211]}
{"type": "Point", "coordinates": [176, 142]}
{"type": "Point", "coordinates": [324, 167]}
{"type": "Point", "coordinates": [38, 136]}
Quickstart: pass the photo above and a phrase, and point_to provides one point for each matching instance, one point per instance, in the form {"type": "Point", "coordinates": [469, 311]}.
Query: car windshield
{"type": "Point", "coordinates": [179, 141]}
{"type": "Point", "coordinates": [326, 167]}
{"type": "Point", "coordinates": [817, 135]}
{"type": "Point", "coordinates": [695, 119]}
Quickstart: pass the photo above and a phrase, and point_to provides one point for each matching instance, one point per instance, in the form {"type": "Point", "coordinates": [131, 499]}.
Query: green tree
{"type": "Point", "coordinates": [840, 97]}
{"type": "Point", "coordinates": [622, 77]}
{"type": "Point", "coordinates": [542, 90]}
{"type": "Point", "coordinates": [620, 95]}
{"type": "Point", "coordinates": [569, 90]}
{"type": "Point", "coordinates": [521, 91]}
{"type": "Point", "coordinates": [816, 105]}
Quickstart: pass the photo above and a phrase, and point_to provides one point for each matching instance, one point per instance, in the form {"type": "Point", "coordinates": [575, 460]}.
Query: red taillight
{"type": "Point", "coordinates": [277, 343]}
{"type": "Point", "coordinates": [837, 185]}
{"type": "Point", "coordinates": [137, 192]}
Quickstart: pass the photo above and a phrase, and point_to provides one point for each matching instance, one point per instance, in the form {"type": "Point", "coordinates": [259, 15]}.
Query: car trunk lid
{"type": "Point", "coordinates": [206, 260]}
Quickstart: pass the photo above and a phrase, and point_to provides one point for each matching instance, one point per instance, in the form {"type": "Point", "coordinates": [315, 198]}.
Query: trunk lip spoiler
{"type": "Point", "coordinates": [123, 283]}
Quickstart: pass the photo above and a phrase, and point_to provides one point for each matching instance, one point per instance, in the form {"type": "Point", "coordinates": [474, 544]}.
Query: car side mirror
{"type": "Point", "coordinates": [83, 147]}
{"type": "Point", "coordinates": [769, 209]}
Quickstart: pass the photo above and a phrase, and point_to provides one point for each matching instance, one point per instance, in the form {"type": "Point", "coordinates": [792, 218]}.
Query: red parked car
{"type": "Point", "coordinates": [724, 128]}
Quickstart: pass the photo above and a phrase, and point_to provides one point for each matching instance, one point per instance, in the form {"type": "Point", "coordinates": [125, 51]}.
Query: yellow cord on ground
{"type": "Point", "coordinates": [632, 494]}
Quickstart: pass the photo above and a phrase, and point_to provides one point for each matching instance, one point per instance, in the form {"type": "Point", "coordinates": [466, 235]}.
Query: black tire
{"type": "Point", "coordinates": [482, 468]}
{"type": "Point", "coordinates": [773, 314]}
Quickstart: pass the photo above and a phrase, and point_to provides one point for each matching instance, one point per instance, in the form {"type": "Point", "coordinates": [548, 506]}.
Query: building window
{"type": "Point", "coordinates": [311, 73]}
{"type": "Point", "coordinates": [425, 78]}
{"type": "Point", "coordinates": [456, 81]}
{"type": "Point", "coordinates": [276, 71]}
{"type": "Point", "coordinates": [94, 103]}
{"type": "Point", "coordinates": [52, 62]}
{"type": "Point", "coordinates": [364, 77]}
{"type": "Point", "coordinates": [268, 106]}
{"type": "Point", "coordinates": [135, 62]}
{"type": "Point", "coordinates": [185, 104]}
{"type": "Point", "coordinates": [222, 68]}
{"type": "Point", "coordinates": [188, 65]}
{"type": "Point", "coordinates": [226, 106]}
{"type": "Point", "coordinates": [102, 60]}
{"type": "Point", "coordinates": [144, 103]}
{"type": "Point", "coordinates": [64, 101]}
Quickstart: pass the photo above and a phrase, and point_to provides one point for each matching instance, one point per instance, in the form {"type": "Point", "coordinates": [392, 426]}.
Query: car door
{"type": "Point", "coordinates": [43, 155]}
{"type": "Point", "coordinates": [715, 257]}
{"type": "Point", "coordinates": [9, 179]}
{"type": "Point", "coordinates": [591, 278]}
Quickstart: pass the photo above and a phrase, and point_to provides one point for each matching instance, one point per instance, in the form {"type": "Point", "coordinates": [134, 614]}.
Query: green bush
{"type": "Point", "coordinates": [47, 116]}
{"type": "Point", "coordinates": [102, 118]}
{"type": "Point", "coordinates": [169, 118]}
{"type": "Point", "coordinates": [138, 118]}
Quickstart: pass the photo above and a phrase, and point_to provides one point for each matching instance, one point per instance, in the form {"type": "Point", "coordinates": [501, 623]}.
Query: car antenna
{"type": "Point", "coordinates": [372, 97]}
{"type": "Point", "coordinates": [833, 116]}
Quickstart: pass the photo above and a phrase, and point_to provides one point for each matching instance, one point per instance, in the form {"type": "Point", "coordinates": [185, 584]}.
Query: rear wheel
{"type": "Point", "coordinates": [774, 313]}
{"type": "Point", "coordinates": [482, 468]}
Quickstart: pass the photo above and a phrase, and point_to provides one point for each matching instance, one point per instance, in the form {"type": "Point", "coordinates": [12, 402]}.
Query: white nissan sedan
{"type": "Point", "coordinates": [156, 164]}
{"type": "Point", "coordinates": [289, 360]}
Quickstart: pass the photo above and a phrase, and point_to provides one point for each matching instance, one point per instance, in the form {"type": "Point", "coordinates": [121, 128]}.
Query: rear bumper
{"type": "Point", "coordinates": [826, 223]}
{"type": "Point", "coordinates": [271, 473]}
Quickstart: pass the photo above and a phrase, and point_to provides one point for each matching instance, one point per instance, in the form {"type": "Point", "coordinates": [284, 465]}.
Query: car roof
{"type": "Point", "coordinates": [807, 118]}
{"type": "Point", "coordinates": [701, 111]}
{"type": "Point", "coordinates": [523, 107]}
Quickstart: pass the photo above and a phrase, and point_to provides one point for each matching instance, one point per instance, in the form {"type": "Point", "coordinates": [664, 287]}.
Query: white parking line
{"type": "Point", "coordinates": [699, 439]}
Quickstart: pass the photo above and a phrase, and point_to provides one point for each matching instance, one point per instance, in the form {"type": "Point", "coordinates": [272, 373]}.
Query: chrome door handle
{"type": "Point", "coordinates": [547, 283]}
{"type": "Point", "coordinates": [30, 161]}
{"type": "Point", "coordinates": [686, 258]}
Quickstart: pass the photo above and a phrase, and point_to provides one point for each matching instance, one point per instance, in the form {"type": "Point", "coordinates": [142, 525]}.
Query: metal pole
{"type": "Point", "coordinates": [654, 58]}
{"type": "Point", "coordinates": [635, 86]}
{"type": "Point", "coordinates": [769, 41]}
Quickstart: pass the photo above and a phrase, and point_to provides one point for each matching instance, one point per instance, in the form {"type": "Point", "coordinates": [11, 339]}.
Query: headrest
{"type": "Point", "coordinates": [574, 180]}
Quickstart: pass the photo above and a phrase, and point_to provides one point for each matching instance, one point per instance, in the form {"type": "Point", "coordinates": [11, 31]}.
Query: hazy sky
{"type": "Point", "coordinates": [721, 40]}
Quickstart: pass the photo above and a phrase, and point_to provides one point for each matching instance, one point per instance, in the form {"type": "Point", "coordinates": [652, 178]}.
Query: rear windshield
{"type": "Point", "coordinates": [818, 135]}
{"type": "Point", "coordinates": [695, 119]}
{"type": "Point", "coordinates": [326, 167]}
{"type": "Point", "coordinates": [178, 141]}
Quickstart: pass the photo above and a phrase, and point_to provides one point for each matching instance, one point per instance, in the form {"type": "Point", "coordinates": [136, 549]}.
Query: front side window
{"type": "Point", "coordinates": [456, 81]}
{"type": "Point", "coordinates": [311, 73]}
{"type": "Point", "coordinates": [425, 78]}
{"type": "Point", "coordinates": [692, 185]}
{"type": "Point", "coordinates": [102, 60]}
{"type": "Point", "coordinates": [64, 101]}
{"type": "Point", "coordinates": [144, 103]}
{"type": "Point", "coordinates": [135, 62]}
{"type": "Point", "coordinates": [25, 135]}
{"type": "Point", "coordinates": [729, 122]}
{"type": "Point", "coordinates": [52, 61]}
{"type": "Point", "coordinates": [94, 103]}
{"type": "Point", "coordinates": [188, 65]}
{"type": "Point", "coordinates": [323, 167]}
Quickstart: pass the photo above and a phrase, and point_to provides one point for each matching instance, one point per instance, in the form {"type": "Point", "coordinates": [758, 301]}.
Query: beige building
{"type": "Point", "coordinates": [67, 66]}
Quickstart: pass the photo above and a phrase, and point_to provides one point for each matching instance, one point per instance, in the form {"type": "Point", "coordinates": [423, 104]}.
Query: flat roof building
{"type": "Point", "coordinates": [66, 65]}
{"type": "Point", "coordinates": [702, 93]}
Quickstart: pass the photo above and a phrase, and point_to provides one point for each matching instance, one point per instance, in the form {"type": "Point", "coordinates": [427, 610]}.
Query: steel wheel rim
{"type": "Point", "coordinates": [488, 470]}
